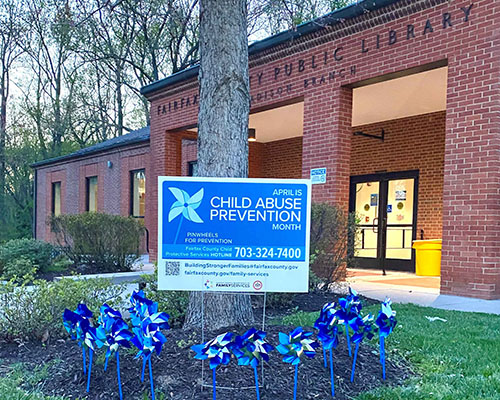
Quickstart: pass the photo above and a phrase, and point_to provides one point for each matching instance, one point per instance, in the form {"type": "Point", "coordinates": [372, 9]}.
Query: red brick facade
{"type": "Point", "coordinates": [320, 69]}
{"type": "Point", "coordinates": [113, 184]}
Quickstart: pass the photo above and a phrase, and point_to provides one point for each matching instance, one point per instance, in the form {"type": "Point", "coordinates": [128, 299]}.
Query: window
{"type": "Point", "coordinates": [92, 193]}
{"type": "Point", "coordinates": [138, 195]}
{"type": "Point", "coordinates": [193, 168]}
{"type": "Point", "coordinates": [56, 198]}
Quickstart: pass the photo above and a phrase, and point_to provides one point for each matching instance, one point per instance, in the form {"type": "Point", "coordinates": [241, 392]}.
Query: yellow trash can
{"type": "Point", "coordinates": [428, 257]}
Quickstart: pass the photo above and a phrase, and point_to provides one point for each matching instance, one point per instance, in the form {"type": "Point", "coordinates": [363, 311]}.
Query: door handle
{"type": "Point", "coordinates": [373, 227]}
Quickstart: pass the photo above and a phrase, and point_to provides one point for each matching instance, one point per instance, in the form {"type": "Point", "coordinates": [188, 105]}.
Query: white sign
{"type": "Point", "coordinates": [318, 176]}
{"type": "Point", "coordinates": [238, 235]}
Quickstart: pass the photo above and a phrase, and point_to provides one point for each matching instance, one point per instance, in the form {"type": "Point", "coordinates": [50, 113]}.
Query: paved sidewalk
{"type": "Point", "coordinates": [404, 287]}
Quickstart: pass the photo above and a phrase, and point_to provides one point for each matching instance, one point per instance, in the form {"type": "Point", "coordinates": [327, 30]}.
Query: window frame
{"type": "Point", "coordinates": [191, 165]}
{"type": "Point", "coordinates": [53, 194]}
{"type": "Point", "coordinates": [131, 191]}
{"type": "Point", "coordinates": [87, 193]}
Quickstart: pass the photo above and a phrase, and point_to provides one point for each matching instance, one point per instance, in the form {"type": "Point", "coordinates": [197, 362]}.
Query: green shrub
{"type": "Point", "coordinates": [332, 232]}
{"type": "Point", "coordinates": [33, 312]}
{"type": "Point", "coordinates": [38, 252]}
{"type": "Point", "coordinates": [109, 243]}
{"type": "Point", "coordinates": [19, 267]}
{"type": "Point", "coordinates": [174, 303]}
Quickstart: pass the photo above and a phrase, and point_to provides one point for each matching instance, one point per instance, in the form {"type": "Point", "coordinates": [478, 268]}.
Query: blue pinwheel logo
{"type": "Point", "coordinates": [185, 206]}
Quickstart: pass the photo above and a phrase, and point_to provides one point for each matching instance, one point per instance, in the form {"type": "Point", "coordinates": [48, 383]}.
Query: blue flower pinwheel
{"type": "Point", "coordinates": [349, 309]}
{"type": "Point", "coordinates": [295, 346]}
{"type": "Point", "coordinates": [77, 323]}
{"type": "Point", "coordinates": [363, 329]}
{"type": "Point", "coordinates": [327, 325]}
{"type": "Point", "coordinates": [217, 351]}
{"type": "Point", "coordinates": [141, 308]}
{"type": "Point", "coordinates": [386, 322]}
{"type": "Point", "coordinates": [108, 317]}
{"type": "Point", "coordinates": [250, 349]}
{"type": "Point", "coordinates": [115, 337]}
{"type": "Point", "coordinates": [185, 206]}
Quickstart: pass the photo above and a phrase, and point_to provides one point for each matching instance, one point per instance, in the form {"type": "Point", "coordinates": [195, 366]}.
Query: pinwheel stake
{"type": "Point", "coordinates": [251, 349]}
{"type": "Point", "coordinates": [113, 332]}
{"type": "Point", "coordinates": [327, 326]}
{"type": "Point", "coordinates": [148, 323]}
{"type": "Point", "coordinates": [386, 321]}
{"type": "Point", "coordinates": [217, 351]}
{"type": "Point", "coordinates": [293, 347]}
{"type": "Point", "coordinates": [350, 308]}
{"type": "Point", "coordinates": [362, 329]}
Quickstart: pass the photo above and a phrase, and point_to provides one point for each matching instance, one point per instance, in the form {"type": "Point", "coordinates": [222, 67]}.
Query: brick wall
{"type": "Point", "coordinates": [278, 159]}
{"type": "Point", "coordinates": [414, 143]}
{"type": "Point", "coordinates": [318, 69]}
{"type": "Point", "coordinates": [113, 183]}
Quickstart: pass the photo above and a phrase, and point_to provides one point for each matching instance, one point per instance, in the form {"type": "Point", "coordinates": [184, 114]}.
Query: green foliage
{"type": "Point", "coordinates": [173, 303]}
{"type": "Point", "coordinates": [332, 230]}
{"type": "Point", "coordinates": [31, 312]}
{"type": "Point", "coordinates": [18, 268]}
{"type": "Point", "coordinates": [109, 243]}
{"type": "Point", "coordinates": [40, 254]}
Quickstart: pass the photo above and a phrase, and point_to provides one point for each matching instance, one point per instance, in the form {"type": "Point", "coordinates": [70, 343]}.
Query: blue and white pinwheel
{"type": "Point", "coordinates": [185, 205]}
{"type": "Point", "coordinates": [77, 323]}
{"type": "Point", "coordinates": [250, 349]}
{"type": "Point", "coordinates": [114, 337]}
{"type": "Point", "coordinates": [217, 351]}
{"type": "Point", "coordinates": [327, 325]}
{"type": "Point", "coordinates": [386, 322]}
{"type": "Point", "coordinates": [363, 329]}
{"type": "Point", "coordinates": [350, 309]}
{"type": "Point", "coordinates": [295, 346]}
{"type": "Point", "coordinates": [147, 322]}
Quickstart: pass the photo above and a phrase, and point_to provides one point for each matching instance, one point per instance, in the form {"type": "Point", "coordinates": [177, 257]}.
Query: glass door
{"type": "Point", "coordinates": [385, 205]}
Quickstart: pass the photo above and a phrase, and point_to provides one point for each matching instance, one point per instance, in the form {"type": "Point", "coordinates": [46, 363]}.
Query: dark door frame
{"type": "Point", "coordinates": [381, 262]}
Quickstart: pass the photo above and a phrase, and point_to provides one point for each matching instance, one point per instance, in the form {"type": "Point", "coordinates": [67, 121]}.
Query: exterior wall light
{"type": "Point", "coordinates": [252, 135]}
{"type": "Point", "coordinates": [110, 164]}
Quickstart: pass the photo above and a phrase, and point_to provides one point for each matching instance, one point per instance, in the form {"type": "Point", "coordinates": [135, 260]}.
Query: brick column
{"type": "Point", "coordinates": [165, 153]}
{"type": "Point", "coordinates": [471, 196]}
{"type": "Point", "coordinates": [327, 143]}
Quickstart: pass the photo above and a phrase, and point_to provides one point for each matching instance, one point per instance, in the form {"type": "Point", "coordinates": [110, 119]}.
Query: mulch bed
{"type": "Point", "coordinates": [178, 375]}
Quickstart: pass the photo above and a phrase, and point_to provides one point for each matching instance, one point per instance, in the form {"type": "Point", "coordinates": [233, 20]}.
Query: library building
{"type": "Point", "coordinates": [394, 103]}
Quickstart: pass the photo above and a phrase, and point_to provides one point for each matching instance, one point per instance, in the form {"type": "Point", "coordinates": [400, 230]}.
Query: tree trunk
{"type": "Point", "coordinates": [222, 131]}
{"type": "Point", "coordinates": [3, 134]}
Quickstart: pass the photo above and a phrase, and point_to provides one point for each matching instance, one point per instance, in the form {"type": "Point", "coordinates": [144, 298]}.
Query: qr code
{"type": "Point", "coordinates": [172, 268]}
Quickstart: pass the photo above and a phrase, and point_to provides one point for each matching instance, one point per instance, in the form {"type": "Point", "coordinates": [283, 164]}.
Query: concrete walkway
{"type": "Point", "coordinates": [404, 287]}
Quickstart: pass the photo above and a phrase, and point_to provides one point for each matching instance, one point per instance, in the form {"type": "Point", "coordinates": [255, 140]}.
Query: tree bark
{"type": "Point", "coordinates": [222, 131]}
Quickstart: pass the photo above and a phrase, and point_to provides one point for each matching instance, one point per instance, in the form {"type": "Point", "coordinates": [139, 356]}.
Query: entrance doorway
{"type": "Point", "coordinates": [386, 204]}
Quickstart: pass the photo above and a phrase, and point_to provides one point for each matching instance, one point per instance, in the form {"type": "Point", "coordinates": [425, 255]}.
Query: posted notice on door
{"type": "Point", "coordinates": [233, 234]}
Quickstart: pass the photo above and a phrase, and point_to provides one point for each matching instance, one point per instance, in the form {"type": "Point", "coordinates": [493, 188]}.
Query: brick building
{"type": "Point", "coordinates": [398, 99]}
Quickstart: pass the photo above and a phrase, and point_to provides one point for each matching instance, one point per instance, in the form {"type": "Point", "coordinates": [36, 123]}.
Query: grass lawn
{"type": "Point", "coordinates": [457, 359]}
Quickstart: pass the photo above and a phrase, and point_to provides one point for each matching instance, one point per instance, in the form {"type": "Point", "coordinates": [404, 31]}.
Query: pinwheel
{"type": "Point", "coordinates": [350, 308]}
{"type": "Point", "coordinates": [363, 329]}
{"type": "Point", "coordinates": [217, 351]}
{"type": "Point", "coordinates": [251, 349]}
{"type": "Point", "coordinates": [327, 326]}
{"type": "Point", "coordinates": [77, 323]}
{"type": "Point", "coordinates": [386, 321]}
{"type": "Point", "coordinates": [293, 347]}
{"type": "Point", "coordinates": [149, 339]}
{"type": "Point", "coordinates": [117, 335]}
{"type": "Point", "coordinates": [185, 206]}
{"type": "Point", "coordinates": [142, 309]}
